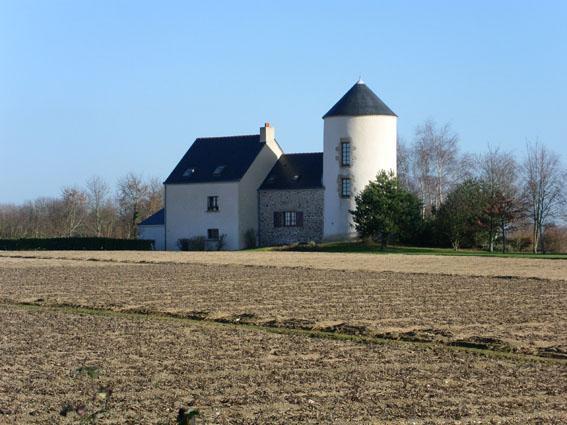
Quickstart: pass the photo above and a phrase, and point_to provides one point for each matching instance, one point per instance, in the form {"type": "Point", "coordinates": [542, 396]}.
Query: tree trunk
{"type": "Point", "coordinates": [535, 239]}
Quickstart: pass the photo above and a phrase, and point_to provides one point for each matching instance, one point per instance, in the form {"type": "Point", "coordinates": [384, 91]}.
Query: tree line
{"type": "Point", "coordinates": [442, 197]}
{"type": "Point", "coordinates": [95, 209]}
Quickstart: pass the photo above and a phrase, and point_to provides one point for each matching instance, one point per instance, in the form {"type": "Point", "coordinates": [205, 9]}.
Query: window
{"type": "Point", "coordinates": [345, 154]}
{"type": "Point", "coordinates": [213, 234]}
{"type": "Point", "coordinates": [212, 203]}
{"type": "Point", "coordinates": [345, 187]}
{"type": "Point", "coordinates": [288, 219]}
{"type": "Point", "coordinates": [218, 171]}
{"type": "Point", "coordinates": [189, 172]}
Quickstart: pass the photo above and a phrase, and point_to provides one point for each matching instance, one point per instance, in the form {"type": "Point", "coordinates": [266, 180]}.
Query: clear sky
{"type": "Point", "coordinates": [107, 87]}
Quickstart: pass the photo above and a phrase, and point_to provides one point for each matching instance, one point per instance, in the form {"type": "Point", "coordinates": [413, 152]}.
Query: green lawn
{"type": "Point", "coordinates": [358, 247]}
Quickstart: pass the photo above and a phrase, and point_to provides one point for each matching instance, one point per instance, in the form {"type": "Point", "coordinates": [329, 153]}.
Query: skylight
{"type": "Point", "coordinates": [189, 172]}
{"type": "Point", "coordinates": [218, 171]}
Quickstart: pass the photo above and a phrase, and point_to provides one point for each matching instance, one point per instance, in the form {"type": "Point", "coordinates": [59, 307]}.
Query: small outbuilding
{"type": "Point", "coordinates": [153, 228]}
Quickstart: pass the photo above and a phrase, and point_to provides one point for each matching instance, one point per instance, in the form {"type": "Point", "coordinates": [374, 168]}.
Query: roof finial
{"type": "Point", "coordinates": [360, 79]}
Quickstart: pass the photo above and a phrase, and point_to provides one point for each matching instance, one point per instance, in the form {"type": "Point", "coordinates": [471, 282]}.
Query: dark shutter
{"type": "Point", "coordinates": [299, 218]}
{"type": "Point", "coordinates": [277, 219]}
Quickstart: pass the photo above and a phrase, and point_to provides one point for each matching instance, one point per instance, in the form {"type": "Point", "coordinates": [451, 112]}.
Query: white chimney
{"type": "Point", "coordinates": [267, 133]}
{"type": "Point", "coordinates": [268, 136]}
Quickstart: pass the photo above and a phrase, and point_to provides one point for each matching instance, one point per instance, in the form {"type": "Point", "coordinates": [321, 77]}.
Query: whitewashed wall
{"type": "Point", "coordinates": [248, 189]}
{"type": "Point", "coordinates": [373, 148]}
{"type": "Point", "coordinates": [155, 233]}
{"type": "Point", "coordinates": [186, 214]}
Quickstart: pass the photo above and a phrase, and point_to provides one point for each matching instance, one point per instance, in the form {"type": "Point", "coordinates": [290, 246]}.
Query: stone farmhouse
{"type": "Point", "coordinates": [236, 187]}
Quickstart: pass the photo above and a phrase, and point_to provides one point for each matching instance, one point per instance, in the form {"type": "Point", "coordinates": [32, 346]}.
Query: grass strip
{"type": "Point", "coordinates": [336, 336]}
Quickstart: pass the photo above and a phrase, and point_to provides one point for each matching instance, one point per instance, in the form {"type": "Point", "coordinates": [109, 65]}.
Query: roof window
{"type": "Point", "coordinates": [218, 171]}
{"type": "Point", "coordinates": [189, 172]}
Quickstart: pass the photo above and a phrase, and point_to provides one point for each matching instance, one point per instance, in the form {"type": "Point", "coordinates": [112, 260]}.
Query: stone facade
{"type": "Point", "coordinates": [307, 201]}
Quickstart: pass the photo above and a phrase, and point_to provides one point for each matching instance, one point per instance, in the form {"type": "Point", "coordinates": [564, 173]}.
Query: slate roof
{"type": "Point", "coordinates": [206, 155]}
{"type": "Point", "coordinates": [308, 167]}
{"type": "Point", "coordinates": [155, 219]}
{"type": "Point", "coordinates": [359, 100]}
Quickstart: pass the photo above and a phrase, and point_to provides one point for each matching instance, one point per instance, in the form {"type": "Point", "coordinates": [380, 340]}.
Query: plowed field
{"type": "Point", "coordinates": [126, 341]}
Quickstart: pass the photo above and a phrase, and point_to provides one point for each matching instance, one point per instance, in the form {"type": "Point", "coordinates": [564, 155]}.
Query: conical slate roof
{"type": "Point", "coordinates": [359, 100]}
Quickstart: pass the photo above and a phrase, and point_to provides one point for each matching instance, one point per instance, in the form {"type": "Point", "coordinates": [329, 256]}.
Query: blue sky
{"type": "Point", "coordinates": [107, 87]}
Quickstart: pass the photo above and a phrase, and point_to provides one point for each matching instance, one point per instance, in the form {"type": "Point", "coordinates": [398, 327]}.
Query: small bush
{"type": "Point", "coordinates": [222, 242]}
{"type": "Point", "coordinates": [75, 244]}
{"type": "Point", "coordinates": [250, 239]}
{"type": "Point", "coordinates": [310, 246]}
{"type": "Point", "coordinates": [196, 243]}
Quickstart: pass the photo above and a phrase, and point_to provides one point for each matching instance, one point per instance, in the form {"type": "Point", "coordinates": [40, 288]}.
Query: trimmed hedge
{"type": "Point", "coordinates": [75, 244]}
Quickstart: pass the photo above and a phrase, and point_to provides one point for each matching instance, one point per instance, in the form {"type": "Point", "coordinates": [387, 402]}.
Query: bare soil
{"type": "Point", "coordinates": [74, 347]}
{"type": "Point", "coordinates": [505, 314]}
{"type": "Point", "coordinates": [108, 370]}
{"type": "Point", "coordinates": [432, 264]}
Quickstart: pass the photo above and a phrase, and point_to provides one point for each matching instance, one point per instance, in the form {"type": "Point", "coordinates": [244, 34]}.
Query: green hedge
{"type": "Point", "coordinates": [71, 244]}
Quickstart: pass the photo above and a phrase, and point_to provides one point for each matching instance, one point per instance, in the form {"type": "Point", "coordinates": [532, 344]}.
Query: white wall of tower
{"type": "Point", "coordinates": [373, 141]}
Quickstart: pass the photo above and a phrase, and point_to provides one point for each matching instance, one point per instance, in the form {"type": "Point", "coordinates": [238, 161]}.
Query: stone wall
{"type": "Point", "coordinates": [308, 201]}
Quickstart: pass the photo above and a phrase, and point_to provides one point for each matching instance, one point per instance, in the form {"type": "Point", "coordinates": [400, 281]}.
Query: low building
{"type": "Point", "coordinates": [153, 229]}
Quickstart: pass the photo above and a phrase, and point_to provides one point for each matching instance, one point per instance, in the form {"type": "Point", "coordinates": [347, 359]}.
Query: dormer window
{"type": "Point", "coordinates": [189, 172]}
{"type": "Point", "coordinates": [218, 171]}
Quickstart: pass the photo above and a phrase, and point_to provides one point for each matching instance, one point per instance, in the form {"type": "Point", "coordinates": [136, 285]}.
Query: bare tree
{"type": "Point", "coordinates": [155, 199]}
{"type": "Point", "coordinates": [404, 164]}
{"type": "Point", "coordinates": [97, 194]}
{"type": "Point", "coordinates": [498, 173]}
{"type": "Point", "coordinates": [73, 210]}
{"type": "Point", "coordinates": [435, 163]}
{"type": "Point", "coordinates": [10, 224]}
{"type": "Point", "coordinates": [131, 197]}
{"type": "Point", "coordinates": [543, 188]}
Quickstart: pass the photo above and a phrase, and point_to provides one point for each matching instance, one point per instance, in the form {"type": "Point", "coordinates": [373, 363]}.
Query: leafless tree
{"type": "Point", "coordinates": [73, 210]}
{"type": "Point", "coordinates": [435, 163]}
{"type": "Point", "coordinates": [132, 200]}
{"type": "Point", "coordinates": [155, 199]}
{"type": "Point", "coordinates": [10, 225]}
{"type": "Point", "coordinates": [543, 188]}
{"type": "Point", "coordinates": [498, 173]}
{"type": "Point", "coordinates": [404, 164]}
{"type": "Point", "coordinates": [98, 202]}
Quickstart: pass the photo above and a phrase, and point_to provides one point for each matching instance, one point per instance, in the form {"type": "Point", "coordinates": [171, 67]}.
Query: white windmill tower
{"type": "Point", "coordinates": [360, 136]}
